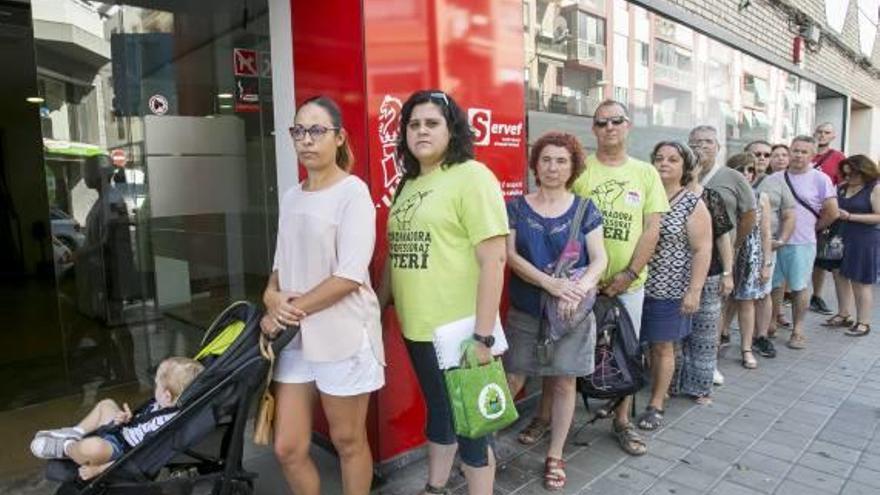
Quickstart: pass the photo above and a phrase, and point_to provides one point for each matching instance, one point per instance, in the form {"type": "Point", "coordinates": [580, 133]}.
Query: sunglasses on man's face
{"type": "Point", "coordinates": [759, 154]}
{"type": "Point", "coordinates": [612, 120]}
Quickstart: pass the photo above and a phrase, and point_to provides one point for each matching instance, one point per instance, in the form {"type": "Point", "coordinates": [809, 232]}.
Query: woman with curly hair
{"type": "Point", "coordinates": [540, 227]}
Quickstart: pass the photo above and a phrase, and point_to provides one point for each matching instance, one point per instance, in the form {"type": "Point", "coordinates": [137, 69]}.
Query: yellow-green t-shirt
{"type": "Point", "coordinates": [625, 194]}
{"type": "Point", "coordinates": [433, 228]}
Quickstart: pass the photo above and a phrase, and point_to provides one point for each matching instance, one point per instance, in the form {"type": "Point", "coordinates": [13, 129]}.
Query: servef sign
{"type": "Point", "coordinates": [488, 133]}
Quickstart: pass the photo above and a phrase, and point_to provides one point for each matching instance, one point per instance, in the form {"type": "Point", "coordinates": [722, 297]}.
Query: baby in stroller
{"type": "Point", "coordinates": [109, 431]}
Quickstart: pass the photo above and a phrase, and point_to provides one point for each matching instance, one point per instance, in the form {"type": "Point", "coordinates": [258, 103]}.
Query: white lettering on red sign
{"type": "Point", "coordinates": [245, 62]}
{"type": "Point", "coordinates": [488, 133]}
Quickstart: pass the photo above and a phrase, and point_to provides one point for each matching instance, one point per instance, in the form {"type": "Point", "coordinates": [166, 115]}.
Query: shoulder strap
{"type": "Point", "coordinates": [818, 164]}
{"type": "Point", "coordinates": [572, 231]}
{"type": "Point", "coordinates": [798, 198]}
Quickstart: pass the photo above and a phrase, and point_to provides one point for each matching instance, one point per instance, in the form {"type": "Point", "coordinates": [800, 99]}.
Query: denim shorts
{"type": "Point", "coordinates": [116, 442]}
{"type": "Point", "coordinates": [474, 452]}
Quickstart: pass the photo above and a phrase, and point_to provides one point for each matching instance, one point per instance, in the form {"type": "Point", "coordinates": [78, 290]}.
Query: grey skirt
{"type": "Point", "coordinates": [573, 355]}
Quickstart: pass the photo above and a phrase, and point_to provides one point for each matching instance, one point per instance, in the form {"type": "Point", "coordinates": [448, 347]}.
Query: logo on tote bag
{"type": "Point", "coordinates": [491, 401]}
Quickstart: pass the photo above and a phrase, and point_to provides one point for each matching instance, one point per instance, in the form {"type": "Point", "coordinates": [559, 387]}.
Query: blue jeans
{"type": "Point", "coordinates": [474, 452]}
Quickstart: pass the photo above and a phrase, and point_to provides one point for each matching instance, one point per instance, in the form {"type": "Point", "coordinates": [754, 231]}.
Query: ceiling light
{"type": "Point", "coordinates": [224, 96]}
{"type": "Point", "coordinates": [225, 106]}
{"type": "Point", "coordinates": [34, 99]}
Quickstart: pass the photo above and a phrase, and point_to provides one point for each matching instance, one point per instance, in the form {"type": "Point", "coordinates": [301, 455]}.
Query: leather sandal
{"type": "Point", "coordinates": [748, 359]}
{"type": "Point", "coordinates": [554, 474]}
{"type": "Point", "coordinates": [433, 490]}
{"type": "Point", "coordinates": [630, 441]}
{"type": "Point", "coordinates": [838, 320]}
{"type": "Point", "coordinates": [859, 330]}
{"type": "Point", "coordinates": [534, 432]}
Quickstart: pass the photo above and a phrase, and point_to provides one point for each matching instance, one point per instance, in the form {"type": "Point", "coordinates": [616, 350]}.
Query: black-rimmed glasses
{"type": "Point", "coordinates": [298, 132]}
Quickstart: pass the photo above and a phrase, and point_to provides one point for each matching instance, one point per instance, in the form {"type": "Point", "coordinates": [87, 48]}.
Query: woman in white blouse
{"type": "Point", "coordinates": [320, 281]}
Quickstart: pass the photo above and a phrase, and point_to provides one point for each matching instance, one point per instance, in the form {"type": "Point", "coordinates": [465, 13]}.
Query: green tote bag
{"type": "Point", "coordinates": [479, 396]}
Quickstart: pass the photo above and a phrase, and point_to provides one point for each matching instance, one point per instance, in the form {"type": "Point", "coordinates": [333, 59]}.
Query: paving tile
{"type": "Point", "coordinates": [834, 451]}
{"type": "Point", "coordinates": [602, 486]}
{"type": "Point", "coordinates": [782, 452]}
{"type": "Point", "coordinates": [729, 488]}
{"type": "Point", "coordinates": [759, 462]}
{"type": "Point", "coordinates": [667, 450]}
{"type": "Point", "coordinates": [826, 464]}
{"type": "Point", "coordinates": [666, 487]}
{"type": "Point", "coordinates": [856, 488]}
{"type": "Point", "coordinates": [509, 478]}
{"type": "Point", "coordinates": [846, 440]}
{"type": "Point", "coordinates": [718, 450]}
{"type": "Point", "coordinates": [631, 478]}
{"type": "Point", "coordinates": [695, 427]}
{"type": "Point", "coordinates": [754, 479]}
{"type": "Point", "coordinates": [870, 461]}
{"type": "Point", "coordinates": [706, 464]}
{"type": "Point", "coordinates": [679, 437]}
{"type": "Point", "coordinates": [691, 477]}
{"type": "Point", "coordinates": [816, 479]}
{"type": "Point", "coordinates": [740, 440]}
{"type": "Point", "coordinates": [651, 464]}
{"type": "Point", "coordinates": [866, 476]}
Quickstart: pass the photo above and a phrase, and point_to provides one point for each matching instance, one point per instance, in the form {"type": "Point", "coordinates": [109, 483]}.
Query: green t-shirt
{"type": "Point", "coordinates": [625, 194]}
{"type": "Point", "coordinates": [433, 228]}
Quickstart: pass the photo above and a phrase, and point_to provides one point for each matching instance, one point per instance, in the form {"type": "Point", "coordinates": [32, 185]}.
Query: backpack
{"type": "Point", "coordinates": [618, 370]}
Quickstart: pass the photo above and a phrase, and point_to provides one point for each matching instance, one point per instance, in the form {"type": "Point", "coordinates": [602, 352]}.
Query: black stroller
{"type": "Point", "coordinates": [200, 449]}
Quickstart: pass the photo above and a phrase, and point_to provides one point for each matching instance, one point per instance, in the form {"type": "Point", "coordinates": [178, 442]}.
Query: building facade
{"type": "Point", "coordinates": [144, 146]}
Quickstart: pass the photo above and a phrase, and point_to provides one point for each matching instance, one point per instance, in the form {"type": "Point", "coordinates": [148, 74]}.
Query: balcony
{"type": "Point", "coordinates": [596, 5]}
{"type": "Point", "coordinates": [559, 103]}
{"type": "Point", "coordinates": [680, 120]}
{"type": "Point", "coordinates": [546, 47]}
{"type": "Point", "coordinates": [668, 75]}
{"type": "Point", "coordinates": [586, 53]}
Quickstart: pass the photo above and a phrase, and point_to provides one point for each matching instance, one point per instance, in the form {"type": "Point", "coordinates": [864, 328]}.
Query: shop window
{"type": "Point", "coordinates": [755, 91]}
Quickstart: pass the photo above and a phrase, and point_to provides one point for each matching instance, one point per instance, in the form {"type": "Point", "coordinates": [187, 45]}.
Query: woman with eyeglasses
{"type": "Point", "coordinates": [447, 231]}
{"type": "Point", "coordinates": [859, 200]}
{"type": "Point", "coordinates": [320, 281]}
{"type": "Point", "coordinates": [753, 266]}
{"type": "Point", "coordinates": [676, 272]}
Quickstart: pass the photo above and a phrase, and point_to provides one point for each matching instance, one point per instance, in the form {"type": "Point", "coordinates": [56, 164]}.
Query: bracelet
{"type": "Point", "coordinates": [632, 273]}
{"type": "Point", "coordinates": [726, 274]}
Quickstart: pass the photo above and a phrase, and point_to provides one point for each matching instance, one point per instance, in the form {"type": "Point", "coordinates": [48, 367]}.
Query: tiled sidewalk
{"type": "Point", "coordinates": [803, 423]}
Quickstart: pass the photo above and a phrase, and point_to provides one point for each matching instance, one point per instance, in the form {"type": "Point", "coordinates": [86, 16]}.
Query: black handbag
{"type": "Point", "coordinates": [829, 241]}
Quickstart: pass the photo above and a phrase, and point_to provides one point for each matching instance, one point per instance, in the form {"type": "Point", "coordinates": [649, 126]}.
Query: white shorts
{"type": "Point", "coordinates": [633, 301]}
{"type": "Point", "coordinates": [355, 375]}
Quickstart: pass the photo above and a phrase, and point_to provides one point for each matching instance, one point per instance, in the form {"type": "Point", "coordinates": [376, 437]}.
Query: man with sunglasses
{"type": "Point", "coordinates": [826, 160]}
{"type": "Point", "coordinates": [631, 197]}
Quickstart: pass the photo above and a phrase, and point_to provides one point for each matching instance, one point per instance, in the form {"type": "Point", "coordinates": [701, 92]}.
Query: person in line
{"type": "Point", "coordinates": [676, 272]}
{"type": "Point", "coordinates": [631, 197]}
{"type": "Point", "coordinates": [447, 241]}
{"type": "Point", "coordinates": [108, 431]}
{"type": "Point", "coordinates": [540, 223]}
{"type": "Point", "coordinates": [696, 372]}
{"type": "Point", "coordinates": [753, 265]}
{"type": "Point", "coordinates": [781, 217]}
{"type": "Point", "coordinates": [320, 281]}
{"type": "Point", "coordinates": [739, 200]}
{"type": "Point", "coordinates": [826, 160]}
{"type": "Point", "coordinates": [761, 150]}
{"type": "Point", "coordinates": [815, 209]}
{"type": "Point", "coordinates": [859, 201]}
{"type": "Point", "coordinates": [779, 158]}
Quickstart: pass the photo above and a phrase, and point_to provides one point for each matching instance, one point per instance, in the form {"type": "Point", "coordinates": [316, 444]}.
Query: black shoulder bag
{"type": "Point", "coordinates": [829, 242]}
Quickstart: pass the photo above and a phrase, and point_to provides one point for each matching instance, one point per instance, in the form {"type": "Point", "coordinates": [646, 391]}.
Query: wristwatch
{"type": "Point", "coordinates": [488, 340]}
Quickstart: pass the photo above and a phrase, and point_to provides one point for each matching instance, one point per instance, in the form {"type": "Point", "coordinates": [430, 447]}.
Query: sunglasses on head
{"type": "Point", "coordinates": [619, 120]}
{"type": "Point", "coordinates": [441, 97]}
{"type": "Point", "coordinates": [759, 154]}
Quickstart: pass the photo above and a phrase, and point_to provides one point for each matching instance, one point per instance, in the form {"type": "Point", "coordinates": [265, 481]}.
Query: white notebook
{"type": "Point", "coordinates": [448, 339]}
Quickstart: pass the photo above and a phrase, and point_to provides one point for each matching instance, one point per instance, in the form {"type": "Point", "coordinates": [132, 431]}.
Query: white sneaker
{"type": "Point", "coordinates": [717, 377]}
